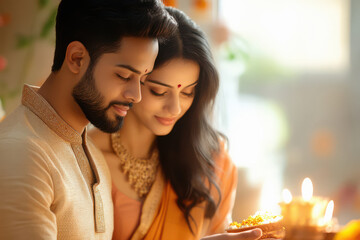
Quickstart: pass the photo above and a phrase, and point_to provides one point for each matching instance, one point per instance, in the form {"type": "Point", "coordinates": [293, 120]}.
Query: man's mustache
{"type": "Point", "coordinates": [127, 104]}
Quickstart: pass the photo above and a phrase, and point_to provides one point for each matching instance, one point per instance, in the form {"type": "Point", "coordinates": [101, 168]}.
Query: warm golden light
{"type": "Point", "coordinates": [287, 197]}
{"type": "Point", "coordinates": [329, 212]}
{"type": "Point", "coordinates": [307, 189]}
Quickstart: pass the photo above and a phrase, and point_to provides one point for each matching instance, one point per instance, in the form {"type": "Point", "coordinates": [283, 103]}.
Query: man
{"type": "Point", "coordinates": [54, 184]}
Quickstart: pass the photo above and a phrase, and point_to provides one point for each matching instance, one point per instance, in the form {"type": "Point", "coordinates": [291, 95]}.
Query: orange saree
{"type": "Point", "coordinates": [162, 219]}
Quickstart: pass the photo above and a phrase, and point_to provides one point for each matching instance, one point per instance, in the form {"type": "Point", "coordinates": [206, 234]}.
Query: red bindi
{"type": "Point", "coordinates": [179, 85]}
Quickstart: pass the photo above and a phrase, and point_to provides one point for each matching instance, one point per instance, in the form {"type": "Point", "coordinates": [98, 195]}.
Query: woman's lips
{"type": "Point", "coordinates": [121, 109]}
{"type": "Point", "coordinates": [166, 121]}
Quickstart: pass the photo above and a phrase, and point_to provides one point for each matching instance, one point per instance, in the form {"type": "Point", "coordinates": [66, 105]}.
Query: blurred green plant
{"type": "Point", "coordinates": [27, 43]}
{"type": "Point", "coordinates": [43, 3]}
{"type": "Point", "coordinates": [256, 66]}
{"type": "Point", "coordinates": [236, 49]}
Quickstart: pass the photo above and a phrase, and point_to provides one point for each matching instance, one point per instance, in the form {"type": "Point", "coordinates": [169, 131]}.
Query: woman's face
{"type": "Point", "coordinates": [167, 94]}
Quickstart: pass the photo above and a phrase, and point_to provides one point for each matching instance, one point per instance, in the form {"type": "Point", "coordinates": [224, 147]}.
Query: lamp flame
{"type": "Point", "coordinates": [329, 212]}
{"type": "Point", "coordinates": [307, 189]}
{"type": "Point", "coordinates": [287, 197]}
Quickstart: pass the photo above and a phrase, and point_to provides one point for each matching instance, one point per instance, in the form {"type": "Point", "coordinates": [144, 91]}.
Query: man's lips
{"type": "Point", "coordinates": [121, 109]}
{"type": "Point", "coordinates": [166, 121]}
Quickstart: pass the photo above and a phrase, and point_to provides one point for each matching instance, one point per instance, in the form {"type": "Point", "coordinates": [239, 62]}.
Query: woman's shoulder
{"type": "Point", "coordinates": [223, 161]}
{"type": "Point", "coordinates": [222, 153]}
{"type": "Point", "coordinates": [100, 139]}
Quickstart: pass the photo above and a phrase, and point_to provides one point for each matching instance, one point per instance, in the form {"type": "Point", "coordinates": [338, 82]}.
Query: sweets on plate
{"type": "Point", "coordinates": [271, 225]}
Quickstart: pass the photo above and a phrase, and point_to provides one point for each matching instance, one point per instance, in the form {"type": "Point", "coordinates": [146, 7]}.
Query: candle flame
{"type": "Point", "coordinates": [307, 189]}
{"type": "Point", "coordinates": [329, 212]}
{"type": "Point", "coordinates": [287, 197]}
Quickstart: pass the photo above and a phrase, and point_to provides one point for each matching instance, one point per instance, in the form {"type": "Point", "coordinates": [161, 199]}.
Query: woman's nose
{"type": "Point", "coordinates": [174, 106]}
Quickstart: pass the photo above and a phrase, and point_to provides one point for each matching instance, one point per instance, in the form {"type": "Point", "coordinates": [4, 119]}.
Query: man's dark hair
{"type": "Point", "coordinates": [100, 25]}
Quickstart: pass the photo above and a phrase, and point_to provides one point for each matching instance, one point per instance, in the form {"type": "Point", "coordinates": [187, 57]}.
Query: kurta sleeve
{"type": "Point", "coordinates": [226, 172]}
{"type": "Point", "coordinates": [26, 193]}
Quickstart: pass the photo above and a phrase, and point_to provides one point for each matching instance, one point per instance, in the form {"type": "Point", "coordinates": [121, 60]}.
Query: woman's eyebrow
{"type": "Point", "coordinates": [194, 83]}
{"type": "Point", "coordinates": [166, 85]}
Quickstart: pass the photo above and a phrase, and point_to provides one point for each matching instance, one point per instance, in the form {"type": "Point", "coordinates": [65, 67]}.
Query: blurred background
{"type": "Point", "coordinates": [289, 99]}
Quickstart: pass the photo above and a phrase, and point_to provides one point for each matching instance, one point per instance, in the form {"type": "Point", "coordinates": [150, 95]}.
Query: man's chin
{"type": "Point", "coordinates": [108, 126]}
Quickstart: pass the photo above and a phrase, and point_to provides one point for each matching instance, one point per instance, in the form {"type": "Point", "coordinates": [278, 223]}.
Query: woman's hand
{"type": "Point", "coordinates": [246, 235]}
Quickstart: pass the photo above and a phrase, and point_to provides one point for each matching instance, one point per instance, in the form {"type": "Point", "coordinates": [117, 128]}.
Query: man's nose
{"type": "Point", "coordinates": [133, 92]}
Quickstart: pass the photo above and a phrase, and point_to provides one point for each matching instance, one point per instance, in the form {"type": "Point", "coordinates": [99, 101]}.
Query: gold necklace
{"type": "Point", "coordinates": [140, 172]}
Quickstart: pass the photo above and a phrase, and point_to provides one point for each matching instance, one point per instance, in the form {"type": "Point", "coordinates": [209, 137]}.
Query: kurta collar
{"type": "Point", "coordinates": [39, 106]}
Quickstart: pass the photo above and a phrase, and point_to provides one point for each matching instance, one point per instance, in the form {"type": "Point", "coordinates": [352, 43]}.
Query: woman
{"type": "Point", "coordinates": [172, 178]}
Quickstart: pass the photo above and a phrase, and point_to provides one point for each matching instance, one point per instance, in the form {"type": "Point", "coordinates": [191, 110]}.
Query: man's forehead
{"type": "Point", "coordinates": [129, 41]}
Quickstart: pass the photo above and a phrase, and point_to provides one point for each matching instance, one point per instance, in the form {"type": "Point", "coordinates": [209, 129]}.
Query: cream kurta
{"type": "Point", "coordinates": [54, 183]}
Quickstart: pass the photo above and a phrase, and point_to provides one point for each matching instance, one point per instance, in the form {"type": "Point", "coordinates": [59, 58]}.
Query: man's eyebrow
{"type": "Point", "coordinates": [160, 83]}
{"type": "Point", "coordinates": [129, 68]}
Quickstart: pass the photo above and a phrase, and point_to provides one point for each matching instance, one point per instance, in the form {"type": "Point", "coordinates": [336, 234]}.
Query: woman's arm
{"type": "Point", "coordinates": [226, 172]}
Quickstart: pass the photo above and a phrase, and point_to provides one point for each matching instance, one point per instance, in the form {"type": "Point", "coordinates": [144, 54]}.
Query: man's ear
{"type": "Point", "coordinates": [77, 57]}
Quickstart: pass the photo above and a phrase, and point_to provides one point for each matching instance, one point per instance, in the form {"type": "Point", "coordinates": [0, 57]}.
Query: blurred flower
{"type": "Point", "coordinates": [201, 4]}
{"type": "Point", "coordinates": [350, 232]}
{"type": "Point", "coordinates": [220, 33]}
{"type": "Point", "coordinates": [170, 3]}
{"type": "Point", "coordinates": [3, 63]}
{"type": "Point", "coordinates": [323, 143]}
{"type": "Point", "coordinates": [4, 19]}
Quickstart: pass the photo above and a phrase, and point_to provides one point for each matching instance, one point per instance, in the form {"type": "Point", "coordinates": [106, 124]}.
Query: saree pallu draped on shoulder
{"type": "Point", "coordinates": [162, 219]}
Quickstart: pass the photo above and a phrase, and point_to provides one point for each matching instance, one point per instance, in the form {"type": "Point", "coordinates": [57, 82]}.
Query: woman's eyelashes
{"type": "Point", "coordinates": [155, 93]}
{"type": "Point", "coordinates": [191, 94]}
{"type": "Point", "coordinates": [159, 93]}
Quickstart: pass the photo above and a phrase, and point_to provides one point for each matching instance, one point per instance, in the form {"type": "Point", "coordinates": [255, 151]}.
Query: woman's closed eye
{"type": "Point", "coordinates": [155, 93]}
{"type": "Point", "coordinates": [188, 94]}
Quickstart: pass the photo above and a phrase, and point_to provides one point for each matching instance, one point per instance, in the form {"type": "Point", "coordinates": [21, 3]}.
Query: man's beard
{"type": "Point", "coordinates": [91, 103]}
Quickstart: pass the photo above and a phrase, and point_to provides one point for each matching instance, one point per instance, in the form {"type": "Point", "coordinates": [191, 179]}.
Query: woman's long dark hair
{"type": "Point", "coordinates": [187, 153]}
